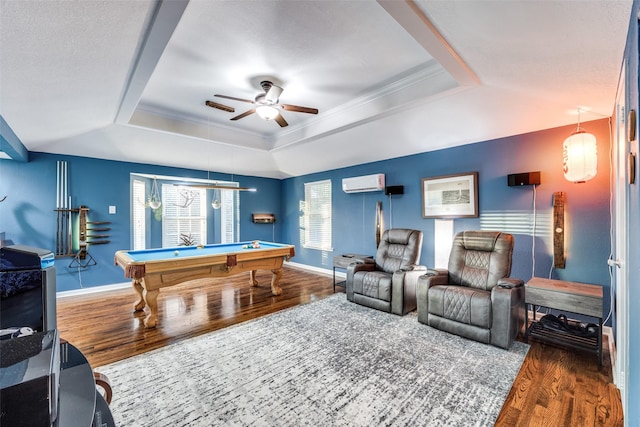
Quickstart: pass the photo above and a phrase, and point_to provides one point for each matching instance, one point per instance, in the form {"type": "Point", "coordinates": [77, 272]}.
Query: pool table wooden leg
{"type": "Point", "coordinates": [151, 298]}
{"type": "Point", "coordinates": [275, 289]}
{"type": "Point", "coordinates": [252, 278]}
{"type": "Point", "coordinates": [137, 287]}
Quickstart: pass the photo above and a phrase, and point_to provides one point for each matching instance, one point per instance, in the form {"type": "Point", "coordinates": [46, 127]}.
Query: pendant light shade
{"type": "Point", "coordinates": [216, 204]}
{"type": "Point", "coordinates": [580, 156]}
{"type": "Point", "coordinates": [154, 198]}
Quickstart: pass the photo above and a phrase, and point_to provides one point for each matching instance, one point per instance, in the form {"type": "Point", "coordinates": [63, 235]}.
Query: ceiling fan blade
{"type": "Point", "coordinates": [299, 109]}
{"type": "Point", "coordinates": [281, 121]}
{"type": "Point", "coordinates": [273, 94]}
{"type": "Point", "coordinates": [220, 106]}
{"type": "Point", "coordinates": [234, 98]}
{"type": "Point", "coordinates": [245, 114]}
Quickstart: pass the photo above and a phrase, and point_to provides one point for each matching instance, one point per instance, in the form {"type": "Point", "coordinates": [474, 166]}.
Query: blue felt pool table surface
{"type": "Point", "coordinates": [145, 255]}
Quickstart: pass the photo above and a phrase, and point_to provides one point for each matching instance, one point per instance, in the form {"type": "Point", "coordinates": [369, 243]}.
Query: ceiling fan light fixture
{"type": "Point", "coordinates": [267, 112]}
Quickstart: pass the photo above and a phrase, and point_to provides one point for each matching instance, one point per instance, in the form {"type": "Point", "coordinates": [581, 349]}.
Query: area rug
{"type": "Point", "coordinates": [327, 363]}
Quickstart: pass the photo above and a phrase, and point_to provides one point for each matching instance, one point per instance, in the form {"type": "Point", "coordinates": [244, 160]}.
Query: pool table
{"type": "Point", "coordinates": [153, 269]}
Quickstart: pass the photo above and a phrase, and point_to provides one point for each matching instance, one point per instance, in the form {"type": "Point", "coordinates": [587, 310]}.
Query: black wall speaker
{"type": "Point", "coordinates": [527, 178]}
{"type": "Point", "coordinates": [394, 189]}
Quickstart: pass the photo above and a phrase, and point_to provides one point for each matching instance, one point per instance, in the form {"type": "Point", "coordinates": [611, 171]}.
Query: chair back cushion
{"type": "Point", "coordinates": [399, 249]}
{"type": "Point", "coordinates": [480, 258]}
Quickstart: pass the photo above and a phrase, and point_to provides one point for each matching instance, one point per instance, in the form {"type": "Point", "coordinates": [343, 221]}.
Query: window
{"type": "Point", "coordinates": [138, 225]}
{"type": "Point", "coordinates": [317, 215]}
{"type": "Point", "coordinates": [186, 208]}
{"type": "Point", "coordinates": [183, 213]}
{"type": "Point", "coordinates": [228, 224]}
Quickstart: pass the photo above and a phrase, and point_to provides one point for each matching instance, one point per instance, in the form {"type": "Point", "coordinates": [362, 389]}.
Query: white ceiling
{"type": "Point", "coordinates": [128, 80]}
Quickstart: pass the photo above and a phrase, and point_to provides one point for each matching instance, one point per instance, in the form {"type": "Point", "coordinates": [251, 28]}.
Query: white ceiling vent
{"type": "Point", "coordinates": [360, 184]}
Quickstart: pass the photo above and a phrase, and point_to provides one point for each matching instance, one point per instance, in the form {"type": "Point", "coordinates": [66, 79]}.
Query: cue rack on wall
{"type": "Point", "coordinates": [89, 232]}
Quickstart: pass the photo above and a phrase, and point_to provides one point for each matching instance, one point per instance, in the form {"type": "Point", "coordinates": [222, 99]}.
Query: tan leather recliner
{"type": "Point", "coordinates": [389, 284]}
{"type": "Point", "coordinates": [474, 297]}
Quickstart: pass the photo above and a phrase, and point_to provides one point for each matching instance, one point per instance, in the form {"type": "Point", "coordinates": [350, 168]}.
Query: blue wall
{"type": "Point", "coordinates": [587, 210]}
{"type": "Point", "coordinates": [27, 215]}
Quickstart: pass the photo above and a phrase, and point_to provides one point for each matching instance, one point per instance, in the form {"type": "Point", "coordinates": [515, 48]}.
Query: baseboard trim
{"type": "Point", "coordinates": [613, 353]}
{"type": "Point", "coordinates": [318, 270]}
{"type": "Point", "coordinates": [93, 290]}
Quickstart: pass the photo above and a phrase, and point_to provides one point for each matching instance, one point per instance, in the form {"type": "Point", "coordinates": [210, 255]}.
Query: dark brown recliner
{"type": "Point", "coordinates": [474, 297]}
{"type": "Point", "coordinates": [389, 284]}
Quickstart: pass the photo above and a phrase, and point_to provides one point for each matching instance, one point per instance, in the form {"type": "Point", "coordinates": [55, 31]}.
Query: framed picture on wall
{"type": "Point", "coordinates": [450, 196]}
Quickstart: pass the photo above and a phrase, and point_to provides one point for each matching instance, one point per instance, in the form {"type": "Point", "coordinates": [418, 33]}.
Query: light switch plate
{"type": "Point", "coordinates": [112, 210]}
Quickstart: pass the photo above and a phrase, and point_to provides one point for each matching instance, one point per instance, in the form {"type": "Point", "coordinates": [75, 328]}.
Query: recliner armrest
{"type": "Point", "coordinates": [508, 282]}
{"type": "Point", "coordinates": [403, 288]}
{"type": "Point", "coordinates": [437, 272]}
{"type": "Point", "coordinates": [357, 266]}
{"type": "Point", "coordinates": [508, 311]}
{"type": "Point", "coordinates": [415, 267]}
{"type": "Point", "coordinates": [434, 277]}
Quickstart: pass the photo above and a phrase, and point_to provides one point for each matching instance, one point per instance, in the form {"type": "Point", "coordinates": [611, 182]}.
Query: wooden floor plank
{"type": "Point", "coordinates": [555, 387]}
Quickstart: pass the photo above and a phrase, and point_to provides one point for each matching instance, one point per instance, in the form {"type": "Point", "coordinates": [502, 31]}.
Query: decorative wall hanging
{"type": "Point", "coordinates": [450, 196]}
{"type": "Point", "coordinates": [379, 225]}
{"type": "Point", "coordinates": [558, 230]}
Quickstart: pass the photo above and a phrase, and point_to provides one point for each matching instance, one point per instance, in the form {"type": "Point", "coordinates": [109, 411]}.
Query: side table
{"type": "Point", "coordinates": [573, 297]}
{"type": "Point", "coordinates": [343, 261]}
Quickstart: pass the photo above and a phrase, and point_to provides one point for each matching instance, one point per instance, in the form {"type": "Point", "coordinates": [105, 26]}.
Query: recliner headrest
{"type": "Point", "coordinates": [480, 240]}
{"type": "Point", "coordinates": [399, 236]}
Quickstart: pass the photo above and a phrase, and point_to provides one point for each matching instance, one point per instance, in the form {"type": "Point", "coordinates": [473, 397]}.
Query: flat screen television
{"type": "Point", "coordinates": [27, 289]}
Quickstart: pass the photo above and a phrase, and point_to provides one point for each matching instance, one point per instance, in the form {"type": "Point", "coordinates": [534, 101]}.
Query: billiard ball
{"type": "Point", "coordinates": [176, 253]}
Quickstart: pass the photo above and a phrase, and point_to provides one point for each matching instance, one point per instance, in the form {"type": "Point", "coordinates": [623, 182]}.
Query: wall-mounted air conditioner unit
{"type": "Point", "coordinates": [360, 184]}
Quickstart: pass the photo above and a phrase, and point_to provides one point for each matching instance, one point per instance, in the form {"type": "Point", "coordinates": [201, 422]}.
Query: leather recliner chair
{"type": "Point", "coordinates": [474, 297]}
{"type": "Point", "coordinates": [389, 283]}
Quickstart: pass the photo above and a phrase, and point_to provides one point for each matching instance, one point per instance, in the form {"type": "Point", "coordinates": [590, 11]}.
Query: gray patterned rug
{"type": "Point", "coordinates": [328, 363]}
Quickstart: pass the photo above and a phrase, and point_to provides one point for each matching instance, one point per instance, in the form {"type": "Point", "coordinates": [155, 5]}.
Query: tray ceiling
{"type": "Point", "coordinates": [128, 80]}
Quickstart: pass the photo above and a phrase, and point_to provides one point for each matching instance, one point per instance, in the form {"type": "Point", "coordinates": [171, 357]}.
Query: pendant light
{"type": "Point", "coordinates": [154, 197]}
{"type": "Point", "coordinates": [580, 155]}
{"type": "Point", "coordinates": [216, 199]}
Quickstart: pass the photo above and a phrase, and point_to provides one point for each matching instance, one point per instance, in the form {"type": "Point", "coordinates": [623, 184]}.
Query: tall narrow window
{"type": "Point", "coordinates": [183, 215]}
{"type": "Point", "coordinates": [317, 215]}
{"type": "Point", "coordinates": [138, 214]}
{"type": "Point", "coordinates": [230, 203]}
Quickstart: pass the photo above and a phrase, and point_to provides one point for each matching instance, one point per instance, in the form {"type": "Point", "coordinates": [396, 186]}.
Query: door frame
{"type": "Point", "coordinates": [620, 249]}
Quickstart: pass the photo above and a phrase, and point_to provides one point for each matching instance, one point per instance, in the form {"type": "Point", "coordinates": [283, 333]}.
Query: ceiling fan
{"type": "Point", "coordinates": [266, 105]}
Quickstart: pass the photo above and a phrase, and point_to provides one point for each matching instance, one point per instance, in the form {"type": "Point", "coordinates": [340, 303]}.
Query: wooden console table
{"type": "Point", "coordinates": [343, 261]}
{"type": "Point", "coordinates": [573, 297]}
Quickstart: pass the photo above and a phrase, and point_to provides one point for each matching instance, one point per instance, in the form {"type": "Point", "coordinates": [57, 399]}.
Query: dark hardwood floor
{"type": "Point", "coordinates": [555, 387]}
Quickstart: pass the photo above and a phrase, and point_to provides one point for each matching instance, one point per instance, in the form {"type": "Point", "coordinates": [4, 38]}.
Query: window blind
{"type": "Point", "coordinates": [182, 216]}
{"type": "Point", "coordinates": [317, 215]}
{"type": "Point", "coordinates": [138, 231]}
